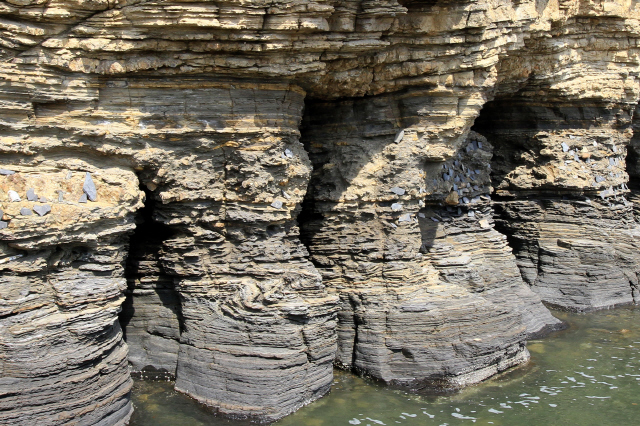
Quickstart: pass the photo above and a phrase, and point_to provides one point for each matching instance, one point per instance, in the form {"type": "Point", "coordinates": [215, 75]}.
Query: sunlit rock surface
{"type": "Point", "coordinates": [281, 186]}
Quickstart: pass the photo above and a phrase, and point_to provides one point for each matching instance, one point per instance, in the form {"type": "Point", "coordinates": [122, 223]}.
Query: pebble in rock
{"type": "Point", "coordinates": [405, 218]}
{"type": "Point", "coordinates": [60, 196]}
{"type": "Point", "coordinates": [1, 213]}
{"type": "Point", "coordinates": [277, 204]}
{"type": "Point", "coordinates": [42, 199]}
{"type": "Point", "coordinates": [5, 172]}
{"type": "Point", "coordinates": [89, 187]}
{"type": "Point", "coordinates": [3, 224]}
{"type": "Point", "coordinates": [565, 147]}
{"type": "Point", "coordinates": [13, 196]}
{"type": "Point", "coordinates": [397, 191]}
{"type": "Point", "coordinates": [42, 210]}
{"type": "Point", "coordinates": [396, 207]}
{"type": "Point", "coordinates": [25, 211]}
{"type": "Point", "coordinates": [399, 137]}
{"type": "Point", "coordinates": [83, 198]}
{"type": "Point", "coordinates": [69, 174]}
{"type": "Point", "coordinates": [31, 195]}
{"type": "Point", "coordinates": [288, 153]}
{"type": "Point", "coordinates": [600, 179]}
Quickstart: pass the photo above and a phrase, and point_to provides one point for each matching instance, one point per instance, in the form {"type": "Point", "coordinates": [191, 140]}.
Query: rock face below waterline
{"type": "Point", "coordinates": [272, 243]}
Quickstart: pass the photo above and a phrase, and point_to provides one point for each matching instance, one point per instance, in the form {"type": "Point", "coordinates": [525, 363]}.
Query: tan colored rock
{"type": "Point", "coordinates": [200, 103]}
{"type": "Point", "coordinates": [452, 199]}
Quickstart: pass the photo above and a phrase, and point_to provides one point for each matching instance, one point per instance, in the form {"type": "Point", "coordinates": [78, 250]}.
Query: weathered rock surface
{"type": "Point", "coordinates": [252, 307]}
{"type": "Point", "coordinates": [403, 276]}
{"type": "Point", "coordinates": [411, 280]}
{"type": "Point", "coordinates": [562, 189]}
{"type": "Point", "coordinates": [62, 358]}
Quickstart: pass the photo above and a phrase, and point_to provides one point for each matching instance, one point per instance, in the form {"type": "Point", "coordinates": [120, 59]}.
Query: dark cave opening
{"type": "Point", "coordinates": [558, 179]}
{"type": "Point", "coordinates": [633, 160]}
{"type": "Point", "coordinates": [495, 117]}
{"type": "Point", "coordinates": [316, 211]}
{"type": "Point", "coordinates": [151, 316]}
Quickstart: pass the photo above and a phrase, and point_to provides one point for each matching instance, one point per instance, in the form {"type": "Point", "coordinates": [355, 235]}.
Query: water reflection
{"type": "Point", "coordinates": [588, 374]}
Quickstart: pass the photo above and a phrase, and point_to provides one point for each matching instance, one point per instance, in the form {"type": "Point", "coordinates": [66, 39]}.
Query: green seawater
{"type": "Point", "coordinates": [588, 374]}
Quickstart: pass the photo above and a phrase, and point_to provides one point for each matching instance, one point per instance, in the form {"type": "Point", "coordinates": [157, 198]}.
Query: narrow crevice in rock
{"type": "Point", "coordinates": [151, 316]}
{"type": "Point", "coordinates": [633, 170]}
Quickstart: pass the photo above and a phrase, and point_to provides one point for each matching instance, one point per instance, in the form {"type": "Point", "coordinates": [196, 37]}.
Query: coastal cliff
{"type": "Point", "coordinates": [243, 194]}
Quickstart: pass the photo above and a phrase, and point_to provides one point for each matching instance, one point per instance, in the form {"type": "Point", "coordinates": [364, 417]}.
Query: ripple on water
{"type": "Point", "coordinates": [588, 374]}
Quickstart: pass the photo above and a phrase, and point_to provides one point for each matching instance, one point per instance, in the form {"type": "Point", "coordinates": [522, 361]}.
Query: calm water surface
{"type": "Point", "coordinates": [588, 374]}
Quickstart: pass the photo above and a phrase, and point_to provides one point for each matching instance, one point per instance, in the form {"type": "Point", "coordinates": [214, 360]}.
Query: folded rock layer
{"type": "Point", "coordinates": [278, 186]}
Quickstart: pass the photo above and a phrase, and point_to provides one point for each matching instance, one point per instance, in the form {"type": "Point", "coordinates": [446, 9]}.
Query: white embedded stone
{"type": "Point", "coordinates": [398, 191]}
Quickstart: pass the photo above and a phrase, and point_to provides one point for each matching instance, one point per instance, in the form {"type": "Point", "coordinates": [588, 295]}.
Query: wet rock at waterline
{"type": "Point", "coordinates": [361, 235]}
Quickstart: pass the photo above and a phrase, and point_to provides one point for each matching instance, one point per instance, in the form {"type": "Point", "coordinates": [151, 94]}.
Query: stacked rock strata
{"type": "Point", "coordinates": [62, 357]}
{"type": "Point", "coordinates": [428, 295]}
{"type": "Point", "coordinates": [227, 174]}
{"type": "Point", "coordinates": [403, 276]}
{"type": "Point", "coordinates": [562, 200]}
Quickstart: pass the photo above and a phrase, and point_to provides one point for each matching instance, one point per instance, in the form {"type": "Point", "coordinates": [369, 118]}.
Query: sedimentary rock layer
{"type": "Point", "coordinates": [237, 175]}
{"type": "Point", "coordinates": [409, 283]}
{"type": "Point", "coordinates": [62, 358]}
{"type": "Point", "coordinates": [560, 175]}
{"type": "Point", "coordinates": [200, 103]}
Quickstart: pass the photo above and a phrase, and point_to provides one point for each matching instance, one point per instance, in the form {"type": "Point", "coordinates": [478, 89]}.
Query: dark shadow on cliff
{"type": "Point", "coordinates": [536, 150]}
{"type": "Point", "coordinates": [147, 282]}
{"type": "Point", "coordinates": [508, 123]}
{"type": "Point", "coordinates": [348, 142]}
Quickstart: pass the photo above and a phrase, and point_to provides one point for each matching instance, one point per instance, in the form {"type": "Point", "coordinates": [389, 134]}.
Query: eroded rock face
{"type": "Point", "coordinates": [562, 183]}
{"type": "Point", "coordinates": [412, 276]}
{"type": "Point", "coordinates": [62, 355]}
{"type": "Point", "coordinates": [402, 274]}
